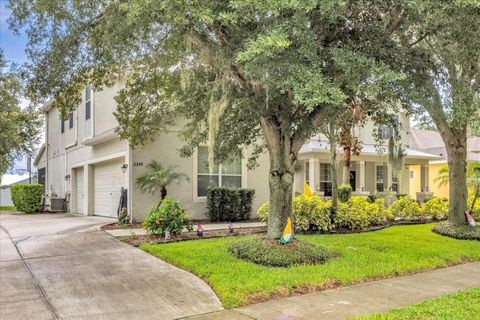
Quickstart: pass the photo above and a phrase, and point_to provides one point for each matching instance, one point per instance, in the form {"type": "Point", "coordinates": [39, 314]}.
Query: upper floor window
{"type": "Point", "coordinates": [62, 125]}
{"type": "Point", "coordinates": [227, 175]}
{"type": "Point", "coordinates": [88, 101]}
{"type": "Point", "coordinates": [388, 130]}
{"type": "Point", "coordinates": [70, 120]}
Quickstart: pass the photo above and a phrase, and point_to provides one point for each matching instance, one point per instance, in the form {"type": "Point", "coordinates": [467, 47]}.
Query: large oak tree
{"type": "Point", "coordinates": [241, 72]}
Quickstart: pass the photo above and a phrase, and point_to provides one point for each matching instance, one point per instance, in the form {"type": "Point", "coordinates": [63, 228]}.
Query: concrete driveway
{"type": "Point", "coordinates": [55, 266]}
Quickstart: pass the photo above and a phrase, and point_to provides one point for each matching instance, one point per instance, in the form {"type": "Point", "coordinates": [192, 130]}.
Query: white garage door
{"type": "Point", "coordinates": [80, 191]}
{"type": "Point", "coordinates": [107, 182]}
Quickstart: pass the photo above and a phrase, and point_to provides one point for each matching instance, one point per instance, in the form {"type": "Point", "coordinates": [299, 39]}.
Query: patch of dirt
{"type": "Point", "coordinates": [157, 239]}
{"type": "Point", "coordinates": [116, 225]}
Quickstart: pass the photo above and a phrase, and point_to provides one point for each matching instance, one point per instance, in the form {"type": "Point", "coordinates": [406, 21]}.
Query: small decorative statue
{"type": "Point", "coordinates": [199, 230]}
{"type": "Point", "coordinates": [167, 234]}
{"type": "Point", "coordinates": [230, 227]}
{"type": "Point", "coordinates": [470, 220]}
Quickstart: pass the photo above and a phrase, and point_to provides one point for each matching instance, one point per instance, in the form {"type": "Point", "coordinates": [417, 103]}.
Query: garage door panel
{"type": "Point", "coordinates": [80, 191]}
{"type": "Point", "coordinates": [108, 181]}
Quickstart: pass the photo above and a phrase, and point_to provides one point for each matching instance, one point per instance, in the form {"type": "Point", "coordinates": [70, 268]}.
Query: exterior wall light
{"type": "Point", "coordinates": [67, 177]}
{"type": "Point", "coordinates": [124, 167]}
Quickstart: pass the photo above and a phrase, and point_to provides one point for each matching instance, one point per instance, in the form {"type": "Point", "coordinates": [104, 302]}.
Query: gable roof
{"type": "Point", "coordinates": [431, 142]}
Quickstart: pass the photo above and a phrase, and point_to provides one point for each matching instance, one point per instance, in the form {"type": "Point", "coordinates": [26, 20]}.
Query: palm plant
{"type": "Point", "coordinates": [158, 178]}
{"type": "Point", "coordinates": [473, 179]}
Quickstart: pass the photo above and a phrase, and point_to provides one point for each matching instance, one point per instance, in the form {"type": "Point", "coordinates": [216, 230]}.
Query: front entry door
{"type": "Point", "coordinates": [353, 179]}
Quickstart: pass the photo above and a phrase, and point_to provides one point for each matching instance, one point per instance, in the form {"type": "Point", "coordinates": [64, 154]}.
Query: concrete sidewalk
{"type": "Point", "coordinates": [361, 299]}
{"type": "Point", "coordinates": [206, 227]}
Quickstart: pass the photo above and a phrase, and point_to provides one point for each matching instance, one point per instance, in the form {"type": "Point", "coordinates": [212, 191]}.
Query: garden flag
{"type": "Point", "coordinates": [287, 232]}
{"type": "Point", "coordinates": [306, 190]}
{"type": "Point", "coordinates": [470, 220]}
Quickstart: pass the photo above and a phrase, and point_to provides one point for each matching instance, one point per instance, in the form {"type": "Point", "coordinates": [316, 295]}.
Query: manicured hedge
{"type": "Point", "coordinates": [228, 204]}
{"type": "Point", "coordinates": [27, 197]}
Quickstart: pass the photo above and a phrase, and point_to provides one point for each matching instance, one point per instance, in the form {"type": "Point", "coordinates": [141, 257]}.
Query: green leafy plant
{"type": "Point", "coordinates": [169, 216]}
{"type": "Point", "coordinates": [436, 208]}
{"type": "Point", "coordinates": [308, 213]}
{"type": "Point", "coordinates": [27, 197]}
{"type": "Point", "coordinates": [123, 216]}
{"type": "Point", "coordinates": [359, 213]}
{"type": "Point", "coordinates": [406, 209]}
{"type": "Point", "coordinates": [463, 232]}
{"type": "Point", "coordinates": [271, 253]}
{"type": "Point", "coordinates": [157, 179]}
{"type": "Point", "coordinates": [229, 204]}
{"type": "Point", "coordinates": [344, 192]}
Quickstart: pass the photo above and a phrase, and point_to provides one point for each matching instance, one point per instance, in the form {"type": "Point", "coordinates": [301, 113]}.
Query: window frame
{"type": "Point", "coordinates": [328, 182]}
{"type": "Point", "coordinates": [88, 102]}
{"type": "Point", "coordinates": [377, 182]}
{"type": "Point", "coordinates": [196, 197]}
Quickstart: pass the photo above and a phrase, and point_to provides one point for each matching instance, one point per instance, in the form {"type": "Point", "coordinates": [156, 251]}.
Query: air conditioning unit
{"type": "Point", "coordinates": [57, 204]}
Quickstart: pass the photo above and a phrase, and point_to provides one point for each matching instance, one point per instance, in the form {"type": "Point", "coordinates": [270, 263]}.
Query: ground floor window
{"type": "Point", "coordinates": [307, 172]}
{"type": "Point", "coordinates": [228, 175]}
{"type": "Point", "coordinates": [325, 179]}
{"type": "Point", "coordinates": [395, 183]}
{"type": "Point", "coordinates": [380, 178]}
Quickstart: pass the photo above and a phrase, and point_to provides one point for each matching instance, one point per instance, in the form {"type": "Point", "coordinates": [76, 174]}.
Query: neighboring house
{"type": "Point", "coordinates": [369, 172]}
{"type": "Point", "coordinates": [85, 162]}
{"type": "Point", "coordinates": [431, 142]}
{"type": "Point", "coordinates": [9, 180]}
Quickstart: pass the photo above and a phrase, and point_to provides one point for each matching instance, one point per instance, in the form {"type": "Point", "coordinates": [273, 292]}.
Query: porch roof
{"type": "Point", "coordinates": [322, 146]}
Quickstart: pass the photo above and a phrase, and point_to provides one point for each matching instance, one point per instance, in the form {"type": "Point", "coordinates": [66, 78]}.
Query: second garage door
{"type": "Point", "coordinates": [107, 182]}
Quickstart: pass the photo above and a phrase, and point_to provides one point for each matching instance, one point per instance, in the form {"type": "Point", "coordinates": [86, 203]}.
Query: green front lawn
{"type": "Point", "coordinates": [462, 305]}
{"type": "Point", "coordinates": [7, 208]}
{"type": "Point", "coordinates": [364, 256]}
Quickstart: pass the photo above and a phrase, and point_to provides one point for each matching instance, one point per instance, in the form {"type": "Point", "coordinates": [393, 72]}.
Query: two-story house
{"type": "Point", "coordinates": [85, 162]}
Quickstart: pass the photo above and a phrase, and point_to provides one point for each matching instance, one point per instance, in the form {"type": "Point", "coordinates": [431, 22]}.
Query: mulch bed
{"type": "Point", "coordinates": [157, 239]}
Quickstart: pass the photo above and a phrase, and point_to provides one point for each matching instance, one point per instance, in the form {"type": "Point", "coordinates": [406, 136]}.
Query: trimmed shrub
{"type": "Point", "coordinates": [169, 216]}
{"type": "Point", "coordinates": [458, 232]}
{"type": "Point", "coordinates": [311, 213]}
{"type": "Point", "coordinates": [308, 213]}
{"type": "Point", "coordinates": [27, 197]}
{"type": "Point", "coordinates": [344, 192]}
{"type": "Point", "coordinates": [229, 204]}
{"type": "Point", "coordinates": [436, 208]}
{"type": "Point", "coordinates": [359, 213]}
{"type": "Point", "coordinates": [406, 209]}
{"type": "Point", "coordinates": [476, 208]}
{"type": "Point", "coordinates": [271, 253]}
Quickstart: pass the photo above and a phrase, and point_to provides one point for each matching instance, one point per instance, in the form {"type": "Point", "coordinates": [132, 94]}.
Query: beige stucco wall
{"type": "Point", "coordinates": [165, 151]}
{"type": "Point", "coordinates": [442, 191]}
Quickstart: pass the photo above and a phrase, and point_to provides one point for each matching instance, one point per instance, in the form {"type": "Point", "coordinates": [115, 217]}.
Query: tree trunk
{"type": "Point", "coordinates": [283, 154]}
{"type": "Point", "coordinates": [456, 144]}
{"type": "Point", "coordinates": [333, 169]}
{"type": "Point", "coordinates": [347, 160]}
{"type": "Point", "coordinates": [163, 194]}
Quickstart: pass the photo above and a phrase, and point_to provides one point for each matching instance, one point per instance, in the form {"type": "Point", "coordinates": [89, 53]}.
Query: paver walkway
{"type": "Point", "coordinates": [361, 299]}
{"type": "Point", "coordinates": [63, 267]}
{"type": "Point", "coordinates": [206, 227]}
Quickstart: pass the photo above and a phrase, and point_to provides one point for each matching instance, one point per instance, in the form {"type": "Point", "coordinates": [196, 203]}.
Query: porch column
{"type": "Point", "coordinates": [361, 176]}
{"type": "Point", "coordinates": [424, 177]}
{"type": "Point", "coordinates": [314, 173]}
{"type": "Point", "coordinates": [388, 178]}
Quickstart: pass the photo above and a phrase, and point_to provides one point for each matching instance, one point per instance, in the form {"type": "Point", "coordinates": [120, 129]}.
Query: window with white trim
{"type": "Point", "coordinates": [88, 101]}
{"type": "Point", "coordinates": [307, 172]}
{"type": "Point", "coordinates": [380, 178]}
{"type": "Point", "coordinates": [325, 179]}
{"type": "Point", "coordinates": [227, 175]}
{"type": "Point", "coordinates": [394, 183]}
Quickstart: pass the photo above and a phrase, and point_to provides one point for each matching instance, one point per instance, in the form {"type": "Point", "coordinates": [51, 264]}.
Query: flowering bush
{"type": "Point", "coordinates": [169, 216]}
{"type": "Point", "coordinates": [406, 209]}
{"type": "Point", "coordinates": [436, 208]}
{"type": "Point", "coordinates": [308, 213]}
{"type": "Point", "coordinates": [359, 213]}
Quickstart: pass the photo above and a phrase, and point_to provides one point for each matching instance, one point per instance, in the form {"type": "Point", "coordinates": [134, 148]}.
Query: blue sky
{"type": "Point", "coordinates": [13, 47]}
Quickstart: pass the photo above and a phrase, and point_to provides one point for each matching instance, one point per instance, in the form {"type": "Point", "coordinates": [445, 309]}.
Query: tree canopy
{"type": "Point", "coordinates": [241, 73]}
{"type": "Point", "coordinates": [19, 129]}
